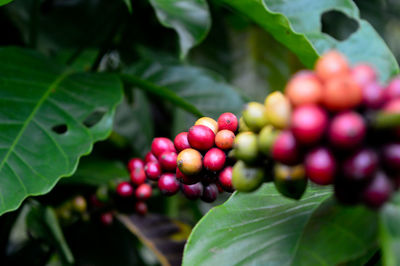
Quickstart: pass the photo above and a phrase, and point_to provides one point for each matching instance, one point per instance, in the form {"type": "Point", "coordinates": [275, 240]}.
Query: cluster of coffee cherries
{"type": "Point", "coordinates": [323, 128]}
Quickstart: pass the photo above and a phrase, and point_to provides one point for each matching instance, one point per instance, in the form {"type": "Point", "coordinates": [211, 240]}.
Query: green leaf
{"type": "Point", "coordinates": [390, 232]}
{"type": "Point", "coordinates": [49, 118]}
{"type": "Point", "coordinates": [264, 228]}
{"type": "Point", "coordinates": [189, 18]}
{"type": "Point", "coordinates": [298, 26]}
{"type": "Point", "coordinates": [4, 2]}
{"type": "Point", "coordinates": [128, 5]}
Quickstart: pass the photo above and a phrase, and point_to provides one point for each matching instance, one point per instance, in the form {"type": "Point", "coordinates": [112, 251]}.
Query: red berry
{"type": "Point", "coordinates": [378, 191]}
{"type": "Point", "coordinates": [143, 192]}
{"type": "Point", "coordinates": [347, 130]}
{"type": "Point", "coordinates": [374, 96]}
{"type": "Point", "coordinates": [168, 184]}
{"type": "Point", "coordinates": [138, 176]}
{"type": "Point", "coordinates": [181, 141]}
{"type": "Point", "coordinates": [225, 179]}
{"type": "Point", "coordinates": [393, 89]}
{"type": "Point", "coordinates": [124, 189]}
{"type": "Point", "coordinates": [341, 93]}
{"type": "Point", "coordinates": [150, 157]}
{"type": "Point", "coordinates": [153, 170]}
{"type": "Point", "coordinates": [361, 166]}
{"type": "Point", "coordinates": [228, 121]}
{"type": "Point", "coordinates": [193, 191]}
{"type": "Point", "coordinates": [214, 160]}
{"type": "Point", "coordinates": [285, 149]}
{"type": "Point", "coordinates": [160, 145]}
{"type": "Point", "coordinates": [141, 208]}
{"type": "Point", "coordinates": [95, 202]}
{"type": "Point", "coordinates": [106, 218]}
{"type": "Point", "coordinates": [168, 161]}
{"type": "Point", "coordinates": [224, 139]}
{"type": "Point", "coordinates": [186, 179]}
{"type": "Point", "coordinates": [309, 123]}
{"type": "Point", "coordinates": [201, 137]}
{"type": "Point", "coordinates": [391, 157]}
{"type": "Point", "coordinates": [363, 74]}
{"type": "Point", "coordinates": [320, 166]}
{"type": "Point", "coordinates": [330, 65]}
{"type": "Point", "coordinates": [210, 193]}
{"type": "Point", "coordinates": [135, 163]}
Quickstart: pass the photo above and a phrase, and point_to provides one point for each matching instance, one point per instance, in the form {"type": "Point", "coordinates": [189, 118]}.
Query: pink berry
{"type": "Point", "coordinates": [181, 141]}
{"type": "Point", "coordinates": [153, 170]}
{"type": "Point", "coordinates": [143, 192]}
{"type": "Point", "coordinates": [320, 166]}
{"type": "Point", "coordinates": [285, 149]}
{"type": "Point", "coordinates": [361, 166]}
{"type": "Point", "coordinates": [374, 96]}
{"type": "Point", "coordinates": [228, 121]}
{"type": "Point", "coordinates": [391, 157]}
{"type": "Point", "coordinates": [141, 208]}
{"type": "Point", "coordinates": [160, 145]}
{"type": "Point", "coordinates": [393, 89]}
{"type": "Point", "coordinates": [214, 160]}
{"type": "Point", "coordinates": [225, 179]}
{"type": "Point", "coordinates": [138, 176]}
{"type": "Point", "coordinates": [363, 74]}
{"type": "Point", "coordinates": [135, 163]}
{"type": "Point", "coordinates": [201, 137]}
{"type": "Point", "coordinates": [378, 191]}
{"type": "Point", "coordinates": [168, 184]}
{"type": "Point", "coordinates": [168, 161]}
{"type": "Point", "coordinates": [150, 157]}
{"type": "Point", "coordinates": [124, 189]}
{"type": "Point", "coordinates": [106, 218]}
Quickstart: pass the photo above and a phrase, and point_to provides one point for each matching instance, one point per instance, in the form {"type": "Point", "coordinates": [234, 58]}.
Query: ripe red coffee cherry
{"type": "Point", "coordinates": [331, 65]}
{"type": "Point", "coordinates": [168, 184]}
{"type": "Point", "coordinates": [210, 193]}
{"type": "Point", "coordinates": [320, 166]}
{"type": "Point", "coordinates": [393, 89]}
{"type": "Point", "coordinates": [138, 176]}
{"type": "Point", "coordinates": [152, 170]}
{"type": "Point", "coordinates": [160, 145]}
{"type": "Point", "coordinates": [309, 123]}
{"type": "Point", "coordinates": [181, 141]}
{"type": "Point", "coordinates": [143, 192]}
{"type": "Point", "coordinates": [361, 166]}
{"type": "Point", "coordinates": [228, 121]}
{"type": "Point", "coordinates": [201, 137]}
{"type": "Point", "coordinates": [363, 74]}
{"type": "Point", "coordinates": [224, 139]}
{"type": "Point", "coordinates": [374, 96]}
{"type": "Point", "coordinates": [341, 93]}
{"type": "Point", "coordinates": [106, 218]}
{"type": "Point", "coordinates": [124, 189]}
{"type": "Point", "coordinates": [391, 157]}
{"type": "Point", "coordinates": [168, 160]}
{"type": "Point", "coordinates": [150, 157]}
{"type": "Point", "coordinates": [225, 179]}
{"type": "Point", "coordinates": [190, 162]}
{"type": "Point", "coordinates": [135, 163]}
{"type": "Point", "coordinates": [347, 130]}
{"type": "Point", "coordinates": [285, 149]}
{"type": "Point", "coordinates": [214, 160]}
{"type": "Point", "coordinates": [193, 191]}
{"type": "Point", "coordinates": [378, 191]}
{"type": "Point", "coordinates": [186, 179]}
{"type": "Point", "coordinates": [304, 88]}
{"type": "Point", "coordinates": [141, 207]}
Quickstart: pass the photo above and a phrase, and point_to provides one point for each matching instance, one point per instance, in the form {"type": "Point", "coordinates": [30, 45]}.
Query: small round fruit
{"type": "Point", "coordinates": [79, 204]}
{"type": "Point", "coordinates": [181, 141]}
{"type": "Point", "coordinates": [342, 93]}
{"type": "Point", "coordinates": [160, 145]}
{"type": "Point", "coordinates": [363, 74]}
{"type": "Point", "coordinates": [242, 126]}
{"type": "Point", "coordinates": [278, 110]}
{"type": "Point", "coordinates": [391, 157]}
{"type": "Point", "coordinates": [393, 107]}
{"type": "Point", "coordinates": [228, 121]}
{"type": "Point", "coordinates": [378, 191]}
{"type": "Point", "coordinates": [150, 157]}
{"type": "Point", "coordinates": [374, 96]}
{"type": "Point", "coordinates": [201, 137]}
{"type": "Point", "coordinates": [106, 218]}
{"type": "Point", "coordinates": [331, 65]}
{"type": "Point", "coordinates": [135, 163]}
{"type": "Point", "coordinates": [290, 181]}
{"type": "Point", "coordinates": [124, 189]}
{"type": "Point", "coordinates": [210, 193]}
{"type": "Point", "coordinates": [361, 166]}
{"type": "Point", "coordinates": [152, 170]}
{"type": "Point", "coordinates": [186, 179]}
{"type": "Point", "coordinates": [225, 179]}
{"type": "Point", "coordinates": [393, 89]}
{"type": "Point", "coordinates": [208, 122]}
{"type": "Point", "coordinates": [309, 123]}
{"type": "Point", "coordinates": [143, 192]}
{"type": "Point", "coordinates": [255, 116]}
{"type": "Point", "coordinates": [267, 138]}
{"type": "Point", "coordinates": [138, 176]}
{"type": "Point", "coordinates": [168, 161]}
{"type": "Point", "coordinates": [347, 130]}
{"type": "Point", "coordinates": [168, 184]}
{"type": "Point", "coordinates": [304, 88]}
{"type": "Point", "coordinates": [246, 147]}
{"type": "Point", "coordinates": [193, 191]}
{"type": "Point", "coordinates": [102, 195]}
{"type": "Point", "coordinates": [320, 166]}
{"type": "Point", "coordinates": [214, 159]}
{"type": "Point", "coordinates": [285, 149]}
{"type": "Point", "coordinates": [224, 139]}
{"type": "Point", "coordinates": [246, 178]}
{"type": "Point", "coordinates": [189, 161]}
{"type": "Point", "coordinates": [141, 208]}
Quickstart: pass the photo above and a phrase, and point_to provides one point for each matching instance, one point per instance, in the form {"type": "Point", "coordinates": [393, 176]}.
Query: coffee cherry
{"type": "Point", "coordinates": [186, 179]}
{"type": "Point", "coordinates": [224, 139]}
{"type": "Point", "coordinates": [101, 196]}
{"type": "Point", "coordinates": [79, 204]}
{"type": "Point", "coordinates": [181, 141]}
{"type": "Point", "coordinates": [214, 159]}
{"type": "Point", "coordinates": [160, 145]}
{"type": "Point", "coordinates": [201, 137]}
{"type": "Point", "coordinates": [208, 122]}
{"type": "Point", "coordinates": [143, 192]}
{"type": "Point", "coordinates": [189, 162]}
{"type": "Point", "coordinates": [246, 147]}
{"type": "Point", "coordinates": [285, 149]}
{"type": "Point", "coordinates": [141, 208]}
{"type": "Point", "coordinates": [304, 88]}
{"type": "Point", "coordinates": [278, 110]}
{"type": "Point", "coordinates": [331, 65]}
{"type": "Point", "coordinates": [391, 157]}
{"type": "Point", "coordinates": [378, 191]}
{"type": "Point", "coordinates": [168, 184]}
{"type": "Point", "coordinates": [393, 89]}
{"type": "Point", "coordinates": [138, 176]}
{"type": "Point", "coordinates": [363, 74]}
{"type": "Point", "coordinates": [393, 107]}
{"type": "Point", "coordinates": [228, 121]}
{"type": "Point", "coordinates": [246, 178]}
{"type": "Point", "coordinates": [210, 193]}
{"type": "Point", "coordinates": [342, 93]}
{"type": "Point", "coordinates": [255, 116]}
{"type": "Point", "coordinates": [347, 130]}
{"type": "Point", "coordinates": [124, 189]}
{"type": "Point", "coordinates": [152, 170]}
{"type": "Point", "coordinates": [267, 138]}
{"type": "Point", "coordinates": [168, 160]}
{"type": "Point", "coordinates": [309, 123]}
{"type": "Point", "coordinates": [135, 163]}
{"type": "Point", "coordinates": [290, 181]}
{"type": "Point", "coordinates": [242, 126]}
{"type": "Point", "coordinates": [150, 157]}
{"type": "Point", "coordinates": [95, 202]}
{"type": "Point", "coordinates": [320, 166]}
{"type": "Point", "coordinates": [225, 179]}
{"type": "Point", "coordinates": [193, 191]}
{"type": "Point", "coordinates": [374, 96]}
{"type": "Point", "coordinates": [361, 166]}
{"type": "Point", "coordinates": [106, 218]}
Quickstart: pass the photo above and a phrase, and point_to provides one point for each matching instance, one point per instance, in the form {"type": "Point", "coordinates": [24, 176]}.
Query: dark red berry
{"type": "Point", "coordinates": [106, 218]}
{"type": "Point", "coordinates": [95, 202]}
{"type": "Point", "coordinates": [181, 141]}
{"type": "Point", "coordinates": [124, 189]}
{"type": "Point", "coordinates": [153, 170]}
{"type": "Point", "coordinates": [150, 157]}
{"type": "Point", "coordinates": [160, 145]}
{"type": "Point", "coordinates": [374, 96]}
{"type": "Point", "coordinates": [168, 184]}
{"type": "Point", "coordinates": [391, 157]}
{"type": "Point", "coordinates": [228, 121]}
{"type": "Point", "coordinates": [347, 130]}
{"type": "Point", "coordinates": [168, 161]}
{"type": "Point", "coordinates": [393, 89]}
{"type": "Point", "coordinates": [320, 166]}
{"type": "Point", "coordinates": [186, 179]}
{"type": "Point", "coordinates": [363, 74]}
{"type": "Point", "coordinates": [135, 163]}
{"type": "Point", "coordinates": [285, 149]}
{"type": "Point", "coordinates": [309, 123]}
{"type": "Point", "coordinates": [201, 137]}
{"type": "Point", "coordinates": [143, 192]}
{"type": "Point", "coordinates": [210, 193]}
{"type": "Point", "coordinates": [225, 179]}
{"type": "Point", "coordinates": [361, 166]}
{"type": "Point", "coordinates": [193, 191]}
{"type": "Point", "coordinates": [378, 191]}
{"type": "Point", "coordinates": [214, 159]}
{"type": "Point", "coordinates": [141, 207]}
{"type": "Point", "coordinates": [138, 176]}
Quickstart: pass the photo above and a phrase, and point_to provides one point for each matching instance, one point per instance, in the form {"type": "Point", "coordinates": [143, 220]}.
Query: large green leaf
{"type": "Point", "coordinates": [297, 24]}
{"type": "Point", "coordinates": [189, 18]}
{"type": "Point", "coordinates": [49, 117]}
{"type": "Point", "coordinates": [264, 228]}
{"type": "Point", "coordinates": [4, 2]}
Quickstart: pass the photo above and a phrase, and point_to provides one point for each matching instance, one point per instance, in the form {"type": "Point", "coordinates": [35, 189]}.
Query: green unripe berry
{"type": "Point", "coordinates": [102, 194]}
{"type": "Point", "coordinates": [246, 147]}
{"type": "Point", "coordinates": [242, 126]}
{"type": "Point", "coordinates": [255, 116]}
{"type": "Point", "coordinates": [290, 181]}
{"type": "Point", "coordinates": [246, 178]}
{"type": "Point", "coordinates": [278, 110]}
{"type": "Point", "coordinates": [266, 139]}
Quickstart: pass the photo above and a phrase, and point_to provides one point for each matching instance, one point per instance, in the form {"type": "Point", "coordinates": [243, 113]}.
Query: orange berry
{"type": "Point", "coordinates": [224, 139]}
{"type": "Point", "coordinates": [208, 122]}
{"type": "Point", "coordinates": [304, 88]}
{"type": "Point", "coordinates": [189, 161]}
{"type": "Point", "coordinates": [342, 93]}
{"type": "Point", "coordinates": [331, 65]}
